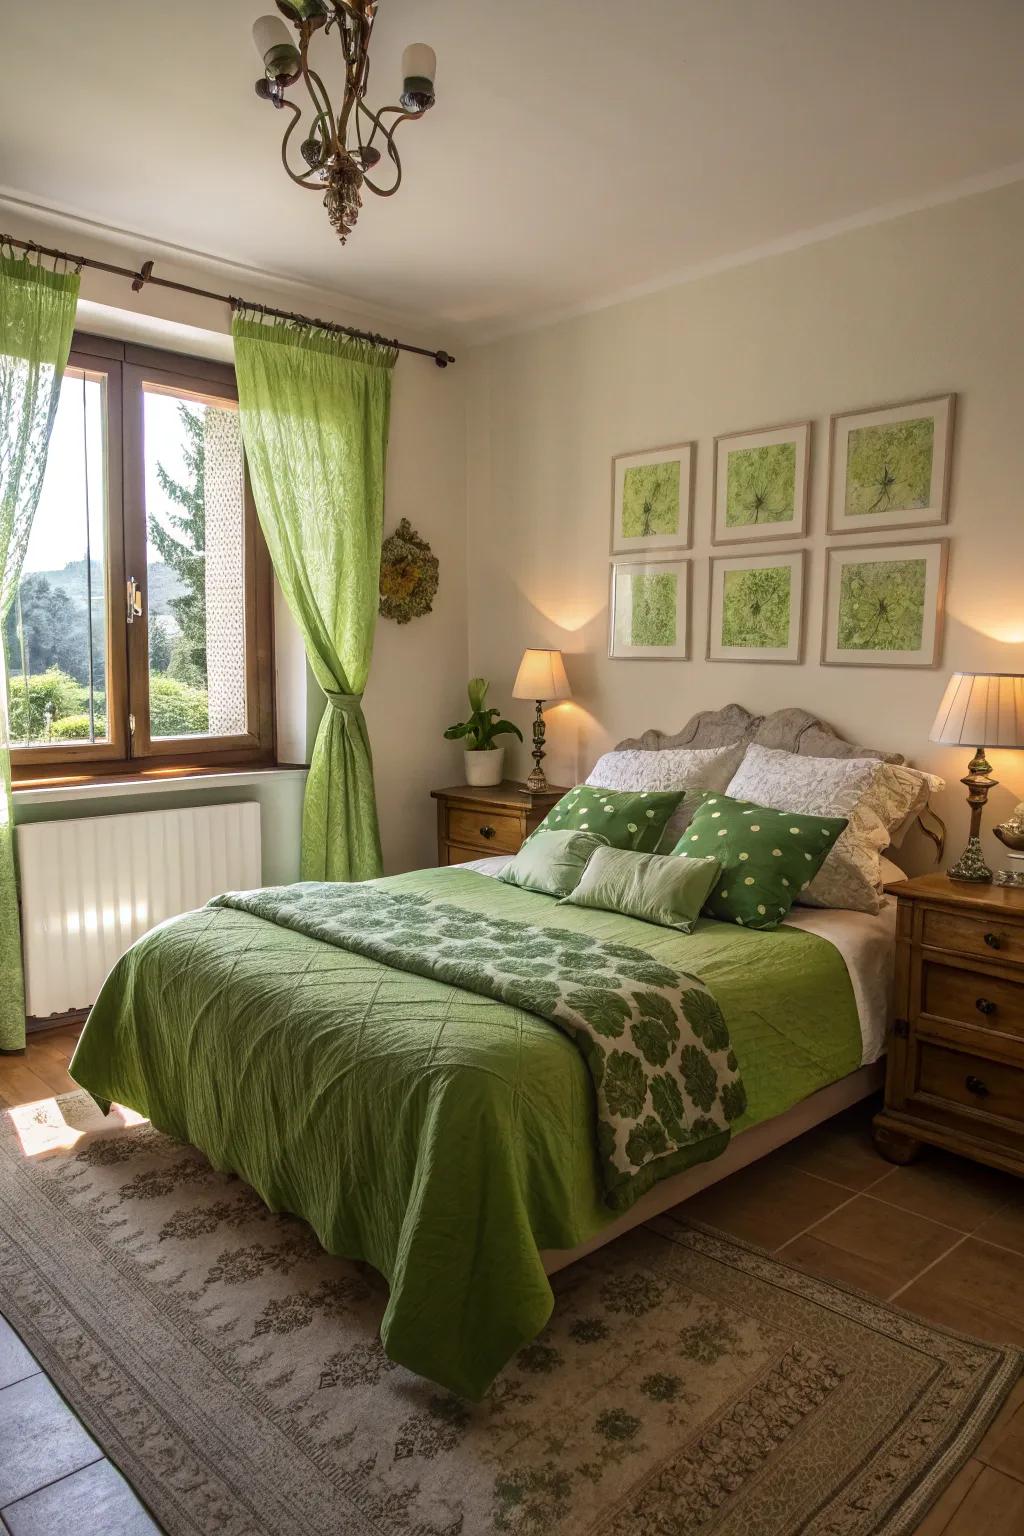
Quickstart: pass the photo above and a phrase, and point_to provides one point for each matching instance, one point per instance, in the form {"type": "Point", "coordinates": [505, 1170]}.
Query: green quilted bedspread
{"type": "Point", "coordinates": [441, 1136]}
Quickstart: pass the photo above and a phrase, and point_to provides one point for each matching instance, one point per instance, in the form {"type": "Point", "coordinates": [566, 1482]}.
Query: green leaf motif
{"type": "Point", "coordinates": [760, 485]}
{"type": "Point", "coordinates": [646, 1140]}
{"type": "Point", "coordinates": [650, 500]}
{"type": "Point", "coordinates": [734, 1100]}
{"type": "Point", "coordinates": [655, 1039]}
{"type": "Point", "coordinates": [881, 605]}
{"type": "Point", "coordinates": [668, 1104]}
{"type": "Point", "coordinates": [625, 1086]}
{"type": "Point", "coordinates": [650, 973]}
{"type": "Point", "coordinates": [756, 607]}
{"type": "Point", "coordinates": [604, 1011]}
{"type": "Point", "coordinates": [889, 467]}
{"type": "Point", "coordinates": [705, 1019]}
{"type": "Point", "coordinates": [537, 996]}
{"type": "Point", "coordinates": [699, 1076]}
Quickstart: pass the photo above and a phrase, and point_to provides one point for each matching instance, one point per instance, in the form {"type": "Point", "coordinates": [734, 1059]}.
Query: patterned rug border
{"type": "Point", "coordinates": [1008, 1366]}
{"type": "Point", "coordinates": [934, 1478]}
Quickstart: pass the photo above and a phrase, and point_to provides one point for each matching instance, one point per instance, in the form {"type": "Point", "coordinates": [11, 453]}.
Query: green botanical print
{"type": "Point", "coordinates": [653, 613]}
{"type": "Point", "coordinates": [617, 1424]}
{"type": "Point", "coordinates": [889, 467]}
{"type": "Point", "coordinates": [760, 485]}
{"type": "Point", "coordinates": [652, 1038]}
{"type": "Point", "coordinates": [756, 607]}
{"type": "Point", "coordinates": [881, 605]}
{"type": "Point", "coordinates": [650, 500]}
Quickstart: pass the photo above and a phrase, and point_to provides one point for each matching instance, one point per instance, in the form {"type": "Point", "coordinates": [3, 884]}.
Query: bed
{"type": "Point", "coordinates": [444, 1137]}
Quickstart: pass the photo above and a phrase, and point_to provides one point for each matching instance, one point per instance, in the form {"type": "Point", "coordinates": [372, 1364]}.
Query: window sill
{"type": "Point", "coordinates": [150, 784]}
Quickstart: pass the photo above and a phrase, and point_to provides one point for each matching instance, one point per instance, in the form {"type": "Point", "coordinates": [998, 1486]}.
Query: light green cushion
{"type": "Point", "coordinates": [552, 862]}
{"type": "Point", "coordinates": [767, 857]}
{"type": "Point", "coordinates": [656, 887]}
{"type": "Point", "coordinates": [633, 819]}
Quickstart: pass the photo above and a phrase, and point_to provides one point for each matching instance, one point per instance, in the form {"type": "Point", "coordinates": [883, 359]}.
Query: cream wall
{"type": "Point", "coordinates": [924, 304]}
{"type": "Point", "coordinates": [417, 678]}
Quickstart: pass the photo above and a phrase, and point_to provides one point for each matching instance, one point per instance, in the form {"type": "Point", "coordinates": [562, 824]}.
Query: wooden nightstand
{"type": "Point", "coordinates": [472, 823]}
{"type": "Point", "coordinates": [955, 1075]}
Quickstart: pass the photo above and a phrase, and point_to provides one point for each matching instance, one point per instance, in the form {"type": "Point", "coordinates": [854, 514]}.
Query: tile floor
{"type": "Point", "coordinates": [942, 1237]}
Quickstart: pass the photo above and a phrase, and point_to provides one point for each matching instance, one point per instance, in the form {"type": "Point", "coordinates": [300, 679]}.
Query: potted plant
{"type": "Point", "coordinates": [484, 761]}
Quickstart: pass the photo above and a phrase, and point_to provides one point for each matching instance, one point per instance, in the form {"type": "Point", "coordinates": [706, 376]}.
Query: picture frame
{"type": "Point", "coordinates": [652, 499]}
{"type": "Point", "coordinates": [649, 610]}
{"type": "Point", "coordinates": [739, 606]}
{"type": "Point", "coordinates": [760, 484]}
{"type": "Point", "coordinates": [889, 467]}
{"type": "Point", "coordinates": [866, 602]}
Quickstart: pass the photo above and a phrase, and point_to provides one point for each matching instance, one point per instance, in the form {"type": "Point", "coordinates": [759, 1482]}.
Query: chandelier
{"type": "Point", "coordinates": [341, 145]}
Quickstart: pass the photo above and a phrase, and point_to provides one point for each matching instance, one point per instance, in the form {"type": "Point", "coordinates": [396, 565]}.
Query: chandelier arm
{"type": "Point", "coordinates": [324, 110]}
{"type": "Point", "coordinates": [300, 180]}
{"type": "Point", "coordinates": [395, 160]}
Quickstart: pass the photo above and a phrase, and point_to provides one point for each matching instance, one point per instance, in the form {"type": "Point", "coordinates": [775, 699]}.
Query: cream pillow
{"type": "Point", "coordinates": [876, 798]}
{"type": "Point", "coordinates": [669, 768]}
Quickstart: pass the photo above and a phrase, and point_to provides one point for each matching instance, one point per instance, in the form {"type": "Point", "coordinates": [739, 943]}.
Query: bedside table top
{"type": "Point", "coordinates": [508, 793]}
{"type": "Point", "coordinates": [1004, 900]}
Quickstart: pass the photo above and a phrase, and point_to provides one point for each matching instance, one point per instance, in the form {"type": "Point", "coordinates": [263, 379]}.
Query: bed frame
{"type": "Point", "coordinates": [788, 730]}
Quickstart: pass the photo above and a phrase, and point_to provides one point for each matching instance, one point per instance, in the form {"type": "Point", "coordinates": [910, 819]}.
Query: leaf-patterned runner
{"type": "Point", "coordinates": [654, 1040]}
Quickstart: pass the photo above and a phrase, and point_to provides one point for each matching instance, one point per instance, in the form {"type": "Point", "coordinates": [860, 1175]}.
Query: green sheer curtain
{"type": "Point", "coordinates": [37, 317]}
{"type": "Point", "coordinates": [315, 408]}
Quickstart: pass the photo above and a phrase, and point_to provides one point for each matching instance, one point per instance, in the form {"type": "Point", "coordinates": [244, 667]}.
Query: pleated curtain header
{"type": "Point", "coordinates": [981, 710]}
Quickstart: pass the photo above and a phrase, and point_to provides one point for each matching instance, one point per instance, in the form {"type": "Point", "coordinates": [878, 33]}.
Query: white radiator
{"type": "Point", "coordinates": [90, 887]}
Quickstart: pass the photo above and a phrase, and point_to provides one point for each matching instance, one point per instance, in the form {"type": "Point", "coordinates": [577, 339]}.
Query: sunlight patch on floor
{"type": "Point", "coordinates": [41, 1127]}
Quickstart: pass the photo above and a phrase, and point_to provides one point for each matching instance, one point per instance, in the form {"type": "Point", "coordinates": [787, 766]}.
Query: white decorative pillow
{"type": "Point", "coordinates": [669, 768]}
{"type": "Point", "coordinates": [875, 797]}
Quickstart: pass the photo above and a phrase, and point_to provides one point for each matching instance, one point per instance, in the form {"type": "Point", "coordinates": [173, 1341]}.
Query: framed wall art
{"type": "Point", "coordinates": [649, 610]}
{"type": "Point", "coordinates": [760, 484]}
{"type": "Point", "coordinates": [652, 500]}
{"type": "Point", "coordinates": [884, 605]}
{"type": "Point", "coordinates": [755, 608]}
{"type": "Point", "coordinates": [889, 467]}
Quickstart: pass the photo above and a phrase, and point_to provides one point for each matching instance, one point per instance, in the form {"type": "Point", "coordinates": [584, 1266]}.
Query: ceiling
{"type": "Point", "coordinates": [579, 150]}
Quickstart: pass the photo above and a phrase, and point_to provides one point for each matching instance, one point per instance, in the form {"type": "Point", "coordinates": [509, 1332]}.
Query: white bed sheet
{"type": "Point", "coordinates": [867, 945]}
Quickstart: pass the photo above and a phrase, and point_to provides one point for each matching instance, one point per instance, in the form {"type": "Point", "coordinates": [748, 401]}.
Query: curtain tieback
{"type": "Point", "coordinates": [345, 703]}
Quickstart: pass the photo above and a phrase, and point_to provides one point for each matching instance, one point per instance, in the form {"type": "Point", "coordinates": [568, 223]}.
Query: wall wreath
{"type": "Point", "coordinates": [408, 575]}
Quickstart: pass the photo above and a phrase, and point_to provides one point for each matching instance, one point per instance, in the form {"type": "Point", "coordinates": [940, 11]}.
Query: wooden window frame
{"type": "Point", "coordinates": [128, 753]}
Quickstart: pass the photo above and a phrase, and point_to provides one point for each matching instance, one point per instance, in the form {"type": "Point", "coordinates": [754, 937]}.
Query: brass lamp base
{"type": "Point", "coordinates": [537, 782]}
{"type": "Point", "coordinates": [971, 866]}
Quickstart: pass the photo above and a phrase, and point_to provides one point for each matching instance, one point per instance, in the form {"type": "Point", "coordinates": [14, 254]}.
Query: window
{"type": "Point", "coordinates": [140, 634]}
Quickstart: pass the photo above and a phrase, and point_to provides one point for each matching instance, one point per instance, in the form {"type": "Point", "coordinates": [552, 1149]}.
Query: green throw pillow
{"type": "Point", "coordinates": [627, 820]}
{"type": "Point", "coordinates": [767, 857]}
{"type": "Point", "coordinates": [552, 862]}
{"type": "Point", "coordinates": [654, 886]}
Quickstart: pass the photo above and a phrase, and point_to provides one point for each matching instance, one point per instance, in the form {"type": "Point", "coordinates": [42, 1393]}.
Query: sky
{"type": "Point", "coordinates": [59, 530]}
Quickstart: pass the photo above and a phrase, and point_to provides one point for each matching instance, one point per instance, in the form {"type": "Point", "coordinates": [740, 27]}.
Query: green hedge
{"type": "Point", "coordinates": [176, 708]}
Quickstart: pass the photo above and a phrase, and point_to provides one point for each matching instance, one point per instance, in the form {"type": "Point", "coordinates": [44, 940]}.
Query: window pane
{"type": "Point", "coordinates": [56, 628]}
{"type": "Point", "coordinates": [196, 560]}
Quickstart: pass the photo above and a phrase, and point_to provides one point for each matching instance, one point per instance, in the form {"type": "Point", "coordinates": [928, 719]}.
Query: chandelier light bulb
{"type": "Point", "coordinates": [419, 68]}
{"type": "Point", "coordinates": [278, 53]}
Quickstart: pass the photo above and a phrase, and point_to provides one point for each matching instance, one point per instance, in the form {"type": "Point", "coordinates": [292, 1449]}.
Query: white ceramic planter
{"type": "Point", "coordinates": [485, 767]}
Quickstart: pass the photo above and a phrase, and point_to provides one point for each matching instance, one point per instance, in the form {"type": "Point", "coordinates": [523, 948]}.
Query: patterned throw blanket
{"type": "Point", "coordinates": [653, 1038]}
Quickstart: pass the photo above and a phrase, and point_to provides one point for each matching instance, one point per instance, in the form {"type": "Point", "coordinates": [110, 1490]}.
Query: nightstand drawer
{"type": "Point", "coordinates": [970, 935]}
{"type": "Point", "coordinates": [972, 1082]}
{"type": "Point", "coordinates": [489, 831]}
{"type": "Point", "coordinates": [970, 997]}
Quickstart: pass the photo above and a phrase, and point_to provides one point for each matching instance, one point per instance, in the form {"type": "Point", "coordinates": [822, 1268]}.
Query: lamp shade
{"type": "Point", "coordinates": [981, 710]}
{"type": "Point", "coordinates": [541, 675]}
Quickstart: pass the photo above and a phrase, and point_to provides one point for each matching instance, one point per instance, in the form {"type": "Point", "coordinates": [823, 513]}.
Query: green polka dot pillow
{"type": "Point", "coordinates": [767, 857]}
{"type": "Point", "coordinates": [628, 819]}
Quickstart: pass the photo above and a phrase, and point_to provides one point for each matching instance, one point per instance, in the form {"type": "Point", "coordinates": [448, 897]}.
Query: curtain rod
{"type": "Point", "coordinates": [145, 275]}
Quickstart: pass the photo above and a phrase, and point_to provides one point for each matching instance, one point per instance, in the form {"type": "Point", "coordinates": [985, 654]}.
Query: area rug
{"type": "Point", "coordinates": [686, 1385]}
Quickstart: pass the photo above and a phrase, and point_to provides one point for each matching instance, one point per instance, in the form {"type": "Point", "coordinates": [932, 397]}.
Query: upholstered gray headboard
{"type": "Point", "coordinates": [788, 730]}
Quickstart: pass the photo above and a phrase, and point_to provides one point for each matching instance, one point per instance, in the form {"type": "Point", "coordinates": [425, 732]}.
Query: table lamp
{"type": "Point", "coordinates": [979, 710]}
{"type": "Point", "coordinates": [541, 676]}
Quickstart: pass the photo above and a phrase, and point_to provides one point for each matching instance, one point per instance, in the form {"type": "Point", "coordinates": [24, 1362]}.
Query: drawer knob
{"type": "Point", "coordinates": [486, 831]}
{"type": "Point", "coordinates": [975, 1085]}
{"type": "Point", "coordinates": [993, 941]}
{"type": "Point", "coordinates": [984, 1006]}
